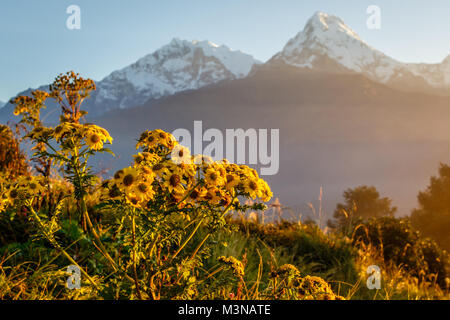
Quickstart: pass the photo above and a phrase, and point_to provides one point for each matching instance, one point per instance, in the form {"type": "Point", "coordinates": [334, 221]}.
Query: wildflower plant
{"type": "Point", "coordinates": [142, 222]}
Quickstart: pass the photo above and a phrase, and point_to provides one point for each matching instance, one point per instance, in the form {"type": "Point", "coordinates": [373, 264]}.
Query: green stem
{"type": "Point", "coordinates": [189, 238]}
{"type": "Point", "coordinates": [133, 231]}
{"type": "Point", "coordinates": [57, 246]}
{"type": "Point", "coordinates": [209, 233]}
{"type": "Point", "coordinates": [84, 211]}
{"type": "Point", "coordinates": [96, 236]}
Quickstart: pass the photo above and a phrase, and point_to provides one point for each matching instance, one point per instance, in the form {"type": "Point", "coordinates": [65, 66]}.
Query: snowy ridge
{"type": "Point", "coordinates": [180, 65]}
{"type": "Point", "coordinates": [437, 75]}
{"type": "Point", "coordinates": [327, 42]}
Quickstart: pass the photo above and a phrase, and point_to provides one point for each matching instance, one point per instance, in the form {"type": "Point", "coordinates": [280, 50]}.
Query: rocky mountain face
{"type": "Point", "coordinates": [181, 65]}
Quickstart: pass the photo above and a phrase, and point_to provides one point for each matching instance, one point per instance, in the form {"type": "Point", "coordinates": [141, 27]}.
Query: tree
{"type": "Point", "coordinates": [361, 204]}
{"type": "Point", "coordinates": [432, 217]}
{"type": "Point", "coordinates": [13, 162]}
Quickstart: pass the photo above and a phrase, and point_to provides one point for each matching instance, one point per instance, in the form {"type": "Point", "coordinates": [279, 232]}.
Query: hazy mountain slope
{"type": "Point", "coordinates": [336, 131]}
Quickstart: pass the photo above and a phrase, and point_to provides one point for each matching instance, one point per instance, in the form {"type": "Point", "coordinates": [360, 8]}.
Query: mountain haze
{"type": "Point", "coordinates": [336, 130]}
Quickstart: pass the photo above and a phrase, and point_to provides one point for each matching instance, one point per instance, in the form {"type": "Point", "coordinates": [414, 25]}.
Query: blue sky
{"type": "Point", "coordinates": [36, 45]}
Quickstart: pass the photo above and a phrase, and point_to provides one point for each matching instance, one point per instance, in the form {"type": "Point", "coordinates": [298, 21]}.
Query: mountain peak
{"type": "Point", "coordinates": [178, 66]}
{"type": "Point", "coordinates": [327, 43]}
{"type": "Point", "coordinates": [322, 22]}
{"type": "Point", "coordinates": [324, 31]}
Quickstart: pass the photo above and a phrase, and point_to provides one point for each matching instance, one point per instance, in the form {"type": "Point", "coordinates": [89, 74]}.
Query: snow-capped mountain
{"type": "Point", "coordinates": [327, 43]}
{"type": "Point", "coordinates": [181, 65]}
{"type": "Point", "coordinates": [178, 66]}
{"type": "Point", "coordinates": [2, 104]}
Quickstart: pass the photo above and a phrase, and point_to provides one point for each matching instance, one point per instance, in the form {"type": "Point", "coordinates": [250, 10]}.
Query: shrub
{"type": "Point", "coordinates": [432, 217]}
{"type": "Point", "coordinates": [361, 203]}
{"type": "Point", "coordinates": [400, 244]}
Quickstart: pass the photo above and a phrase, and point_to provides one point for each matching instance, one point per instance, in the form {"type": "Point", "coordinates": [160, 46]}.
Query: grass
{"type": "Point", "coordinates": [30, 271]}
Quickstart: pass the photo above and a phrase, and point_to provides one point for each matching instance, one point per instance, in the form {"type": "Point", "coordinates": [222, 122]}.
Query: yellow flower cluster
{"type": "Point", "coordinates": [234, 264]}
{"type": "Point", "coordinates": [25, 187]}
{"type": "Point", "coordinates": [133, 183]}
{"type": "Point", "coordinates": [307, 288]}
{"type": "Point", "coordinates": [187, 179]}
{"type": "Point", "coordinates": [41, 132]}
{"type": "Point", "coordinates": [94, 136]}
{"type": "Point", "coordinates": [25, 104]}
{"type": "Point", "coordinates": [152, 139]}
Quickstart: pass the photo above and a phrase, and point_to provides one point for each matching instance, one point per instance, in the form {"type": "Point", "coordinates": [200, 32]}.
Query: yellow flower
{"type": "Point", "coordinates": [252, 188]}
{"type": "Point", "coordinates": [65, 127]}
{"type": "Point", "coordinates": [143, 191]}
{"type": "Point", "coordinates": [138, 158]}
{"type": "Point", "coordinates": [181, 155]}
{"type": "Point", "coordinates": [109, 190]}
{"type": "Point", "coordinates": [165, 138]}
{"type": "Point", "coordinates": [189, 170]}
{"type": "Point", "coordinates": [118, 175]}
{"type": "Point", "coordinates": [146, 174]}
{"type": "Point", "coordinates": [94, 141]}
{"type": "Point", "coordinates": [234, 264]}
{"type": "Point", "coordinates": [133, 200]}
{"type": "Point", "coordinates": [40, 132]}
{"type": "Point", "coordinates": [196, 195]}
{"type": "Point", "coordinates": [266, 193]}
{"type": "Point", "coordinates": [4, 200]}
{"type": "Point", "coordinates": [232, 180]}
{"type": "Point", "coordinates": [160, 169]}
{"type": "Point", "coordinates": [151, 140]}
{"type": "Point", "coordinates": [214, 177]}
{"type": "Point", "coordinates": [173, 181]}
{"type": "Point", "coordinates": [95, 136]}
{"type": "Point", "coordinates": [213, 196]}
{"type": "Point", "coordinates": [35, 187]}
{"type": "Point", "coordinates": [128, 179]}
{"type": "Point", "coordinates": [13, 194]}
